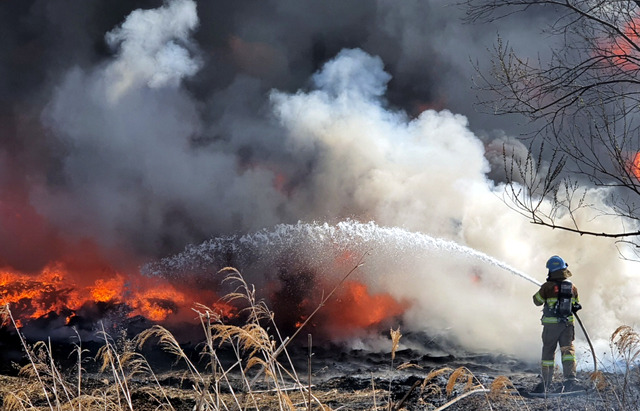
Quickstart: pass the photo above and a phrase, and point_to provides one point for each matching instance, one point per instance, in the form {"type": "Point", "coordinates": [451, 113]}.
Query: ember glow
{"type": "Point", "coordinates": [53, 290]}
{"type": "Point", "coordinates": [358, 308]}
{"type": "Point", "coordinates": [624, 49]}
{"type": "Point", "coordinates": [354, 307]}
{"type": "Point", "coordinates": [635, 166]}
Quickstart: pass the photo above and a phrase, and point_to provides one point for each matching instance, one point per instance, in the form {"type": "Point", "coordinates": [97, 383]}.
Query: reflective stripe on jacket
{"type": "Point", "coordinates": [548, 296]}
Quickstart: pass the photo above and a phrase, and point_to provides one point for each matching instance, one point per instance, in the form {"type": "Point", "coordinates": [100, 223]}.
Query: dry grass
{"type": "Point", "coordinates": [598, 381]}
{"type": "Point", "coordinates": [257, 379]}
{"type": "Point", "coordinates": [260, 376]}
{"type": "Point", "coordinates": [395, 341]}
{"type": "Point", "coordinates": [625, 343]}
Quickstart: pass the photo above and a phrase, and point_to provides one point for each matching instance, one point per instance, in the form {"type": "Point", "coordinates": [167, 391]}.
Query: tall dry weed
{"type": "Point", "coordinates": [256, 342]}
{"type": "Point", "coordinates": [627, 343]}
{"type": "Point", "coordinates": [459, 374]}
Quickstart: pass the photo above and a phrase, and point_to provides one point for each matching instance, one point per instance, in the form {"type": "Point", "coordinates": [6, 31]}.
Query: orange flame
{"type": "Point", "coordinates": [634, 166]}
{"type": "Point", "coordinates": [42, 271]}
{"type": "Point", "coordinates": [355, 308]}
{"type": "Point", "coordinates": [107, 290]}
{"type": "Point", "coordinates": [623, 50]}
{"type": "Point", "coordinates": [225, 310]}
{"type": "Point", "coordinates": [38, 295]}
{"type": "Point", "coordinates": [53, 290]}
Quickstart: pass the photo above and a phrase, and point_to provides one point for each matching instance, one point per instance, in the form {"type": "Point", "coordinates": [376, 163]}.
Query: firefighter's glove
{"type": "Point", "coordinates": [575, 308]}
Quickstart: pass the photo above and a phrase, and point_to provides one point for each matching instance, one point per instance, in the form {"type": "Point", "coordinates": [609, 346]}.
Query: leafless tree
{"type": "Point", "coordinates": [583, 102]}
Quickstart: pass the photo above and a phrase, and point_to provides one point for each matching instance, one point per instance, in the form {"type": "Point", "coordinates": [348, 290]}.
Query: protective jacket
{"type": "Point", "coordinates": [548, 295]}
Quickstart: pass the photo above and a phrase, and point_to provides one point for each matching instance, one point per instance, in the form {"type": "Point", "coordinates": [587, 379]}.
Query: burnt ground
{"type": "Point", "coordinates": [349, 379]}
{"type": "Point", "coordinates": [365, 381]}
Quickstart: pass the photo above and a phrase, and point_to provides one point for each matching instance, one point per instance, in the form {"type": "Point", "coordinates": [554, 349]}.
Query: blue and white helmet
{"type": "Point", "coordinates": [556, 263]}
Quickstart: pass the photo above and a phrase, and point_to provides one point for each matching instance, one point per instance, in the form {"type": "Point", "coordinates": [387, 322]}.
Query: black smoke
{"type": "Point", "coordinates": [178, 158]}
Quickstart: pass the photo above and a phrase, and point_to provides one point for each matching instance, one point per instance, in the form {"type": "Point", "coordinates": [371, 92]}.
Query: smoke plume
{"type": "Point", "coordinates": [143, 127]}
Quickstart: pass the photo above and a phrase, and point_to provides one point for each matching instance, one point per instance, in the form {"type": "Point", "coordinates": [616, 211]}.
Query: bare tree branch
{"type": "Point", "coordinates": [584, 105]}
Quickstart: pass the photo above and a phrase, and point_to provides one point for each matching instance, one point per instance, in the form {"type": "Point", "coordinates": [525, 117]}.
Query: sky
{"type": "Point", "coordinates": [133, 129]}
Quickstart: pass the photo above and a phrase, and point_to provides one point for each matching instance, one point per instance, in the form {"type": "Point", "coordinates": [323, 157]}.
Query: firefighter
{"type": "Point", "coordinates": [560, 299]}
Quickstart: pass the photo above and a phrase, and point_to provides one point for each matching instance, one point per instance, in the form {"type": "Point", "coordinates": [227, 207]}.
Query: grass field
{"type": "Point", "coordinates": [249, 366]}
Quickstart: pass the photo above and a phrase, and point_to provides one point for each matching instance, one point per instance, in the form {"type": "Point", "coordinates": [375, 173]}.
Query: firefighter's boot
{"type": "Point", "coordinates": [547, 376]}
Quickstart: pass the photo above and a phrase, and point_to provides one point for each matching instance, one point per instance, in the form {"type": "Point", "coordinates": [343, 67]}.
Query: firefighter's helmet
{"type": "Point", "coordinates": [556, 263]}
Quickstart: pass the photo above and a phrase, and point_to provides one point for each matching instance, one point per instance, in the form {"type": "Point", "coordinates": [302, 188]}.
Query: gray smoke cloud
{"type": "Point", "coordinates": [150, 48]}
{"type": "Point", "coordinates": [111, 110]}
{"type": "Point", "coordinates": [152, 125]}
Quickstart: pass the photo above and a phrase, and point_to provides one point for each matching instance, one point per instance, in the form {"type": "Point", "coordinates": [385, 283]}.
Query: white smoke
{"type": "Point", "coordinates": [152, 48]}
{"type": "Point", "coordinates": [429, 175]}
{"type": "Point", "coordinates": [374, 160]}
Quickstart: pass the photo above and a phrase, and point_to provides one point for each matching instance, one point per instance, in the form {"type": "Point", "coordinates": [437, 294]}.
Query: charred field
{"type": "Point", "coordinates": [248, 364]}
{"type": "Point", "coordinates": [294, 333]}
{"type": "Point", "coordinates": [341, 378]}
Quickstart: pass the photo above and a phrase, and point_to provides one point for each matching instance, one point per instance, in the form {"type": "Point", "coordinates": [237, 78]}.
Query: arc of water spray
{"type": "Point", "coordinates": [344, 233]}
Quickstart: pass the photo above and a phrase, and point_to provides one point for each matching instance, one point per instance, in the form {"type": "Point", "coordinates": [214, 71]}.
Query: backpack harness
{"type": "Point", "coordinates": [562, 307]}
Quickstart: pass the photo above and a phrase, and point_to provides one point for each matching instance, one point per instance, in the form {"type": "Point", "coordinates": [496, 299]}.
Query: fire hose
{"type": "Point", "coordinates": [593, 352]}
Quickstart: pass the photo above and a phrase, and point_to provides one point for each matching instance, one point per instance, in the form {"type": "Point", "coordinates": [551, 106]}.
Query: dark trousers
{"type": "Point", "coordinates": [561, 334]}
